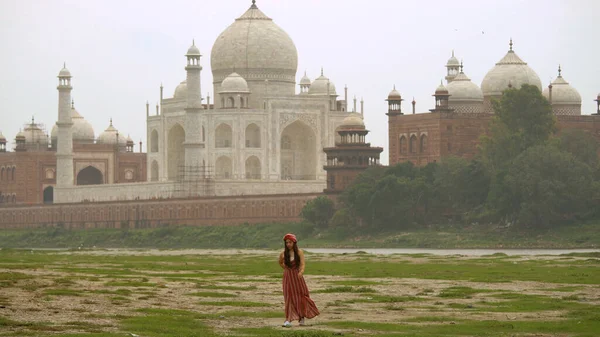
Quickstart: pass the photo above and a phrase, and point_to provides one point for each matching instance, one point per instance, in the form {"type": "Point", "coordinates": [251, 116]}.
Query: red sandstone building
{"type": "Point", "coordinates": [28, 173]}
{"type": "Point", "coordinates": [463, 112]}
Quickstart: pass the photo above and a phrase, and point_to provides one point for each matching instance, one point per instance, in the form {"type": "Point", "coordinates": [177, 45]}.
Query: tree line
{"type": "Point", "coordinates": [525, 174]}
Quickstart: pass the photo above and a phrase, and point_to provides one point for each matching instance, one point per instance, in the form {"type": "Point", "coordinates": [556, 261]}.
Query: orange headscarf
{"type": "Point", "coordinates": [290, 236]}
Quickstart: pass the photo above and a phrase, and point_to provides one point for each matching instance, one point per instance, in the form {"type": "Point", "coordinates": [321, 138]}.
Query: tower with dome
{"type": "Point", "coordinates": [463, 111]}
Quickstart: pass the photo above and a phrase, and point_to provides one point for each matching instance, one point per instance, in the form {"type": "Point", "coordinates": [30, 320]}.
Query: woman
{"type": "Point", "coordinates": [298, 304]}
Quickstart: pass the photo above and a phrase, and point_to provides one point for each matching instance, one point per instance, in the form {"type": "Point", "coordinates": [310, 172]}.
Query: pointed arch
{"type": "Point", "coordinates": [90, 176]}
{"type": "Point", "coordinates": [223, 136]}
{"type": "Point", "coordinates": [154, 141]}
{"type": "Point", "coordinates": [2, 174]}
{"type": "Point", "coordinates": [175, 152]}
{"type": "Point", "coordinates": [13, 173]}
{"type": "Point", "coordinates": [403, 145]}
{"type": "Point", "coordinates": [48, 195]}
{"type": "Point", "coordinates": [223, 168]}
{"type": "Point", "coordinates": [423, 143]}
{"type": "Point", "coordinates": [298, 152]}
{"type": "Point", "coordinates": [412, 146]}
{"type": "Point", "coordinates": [253, 170]}
{"type": "Point", "coordinates": [253, 136]}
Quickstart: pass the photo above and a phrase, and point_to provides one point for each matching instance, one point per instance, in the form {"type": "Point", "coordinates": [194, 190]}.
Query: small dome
{"type": "Point", "coordinates": [305, 80]}
{"type": "Point", "coordinates": [109, 136]}
{"type": "Point", "coordinates": [509, 70]}
{"type": "Point", "coordinates": [319, 86]}
{"type": "Point", "coordinates": [34, 135]}
{"type": "Point", "coordinates": [441, 89]}
{"type": "Point", "coordinates": [20, 135]}
{"type": "Point", "coordinates": [394, 94]}
{"type": "Point", "coordinates": [129, 140]}
{"type": "Point", "coordinates": [193, 50]}
{"type": "Point", "coordinates": [234, 83]}
{"type": "Point", "coordinates": [181, 91]}
{"type": "Point", "coordinates": [353, 121]}
{"type": "Point", "coordinates": [562, 92]}
{"type": "Point", "coordinates": [64, 72]}
{"type": "Point", "coordinates": [2, 138]}
{"type": "Point", "coordinates": [452, 61]}
{"type": "Point", "coordinates": [461, 89]}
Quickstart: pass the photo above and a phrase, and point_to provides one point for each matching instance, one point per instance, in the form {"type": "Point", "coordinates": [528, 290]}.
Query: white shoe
{"type": "Point", "coordinates": [287, 324]}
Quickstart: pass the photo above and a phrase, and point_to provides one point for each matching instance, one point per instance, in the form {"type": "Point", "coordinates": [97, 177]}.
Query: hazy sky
{"type": "Point", "coordinates": [119, 51]}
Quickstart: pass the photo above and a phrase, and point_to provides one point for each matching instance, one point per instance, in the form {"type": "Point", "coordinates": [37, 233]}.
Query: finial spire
{"type": "Point", "coordinates": [65, 64]}
{"type": "Point", "coordinates": [72, 104]}
{"type": "Point", "coordinates": [510, 44]}
{"type": "Point", "coordinates": [253, 4]}
{"type": "Point", "coordinates": [321, 71]}
{"type": "Point", "coordinates": [461, 66]}
{"type": "Point", "coordinates": [452, 52]}
{"type": "Point", "coordinates": [394, 87]}
{"type": "Point", "coordinates": [32, 120]}
{"type": "Point", "coordinates": [111, 121]}
{"type": "Point", "coordinates": [559, 71]}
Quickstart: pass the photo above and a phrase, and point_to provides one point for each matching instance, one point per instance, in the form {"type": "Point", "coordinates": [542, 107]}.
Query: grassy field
{"type": "Point", "coordinates": [169, 293]}
{"type": "Point", "coordinates": [270, 235]}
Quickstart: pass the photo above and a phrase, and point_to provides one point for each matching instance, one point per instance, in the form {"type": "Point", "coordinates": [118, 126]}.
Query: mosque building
{"type": "Point", "coordinates": [463, 111]}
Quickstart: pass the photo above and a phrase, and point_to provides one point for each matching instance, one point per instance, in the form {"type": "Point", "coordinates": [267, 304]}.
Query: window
{"type": "Point", "coordinates": [402, 145]}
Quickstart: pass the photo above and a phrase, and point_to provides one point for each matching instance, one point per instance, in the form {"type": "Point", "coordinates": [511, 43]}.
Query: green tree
{"type": "Point", "coordinates": [523, 118]}
{"type": "Point", "coordinates": [581, 145]}
{"type": "Point", "coordinates": [548, 186]}
{"type": "Point", "coordinates": [318, 211]}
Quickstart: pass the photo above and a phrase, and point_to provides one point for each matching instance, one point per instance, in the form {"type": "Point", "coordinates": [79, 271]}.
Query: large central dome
{"type": "Point", "coordinates": [258, 50]}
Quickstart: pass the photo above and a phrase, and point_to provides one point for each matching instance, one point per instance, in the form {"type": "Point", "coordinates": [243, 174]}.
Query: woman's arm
{"type": "Point", "coordinates": [281, 262]}
{"type": "Point", "coordinates": [302, 262]}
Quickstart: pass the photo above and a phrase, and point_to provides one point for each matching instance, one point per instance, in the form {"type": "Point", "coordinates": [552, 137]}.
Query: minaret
{"type": "Point", "coordinates": [452, 68]}
{"type": "Point", "coordinates": [64, 152]}
{"type": "Point", "coordinates": [193, 144]}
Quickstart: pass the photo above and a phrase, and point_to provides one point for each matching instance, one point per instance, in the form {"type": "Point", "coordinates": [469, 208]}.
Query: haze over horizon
{"type": "Point", "coordinates": [120, 52]}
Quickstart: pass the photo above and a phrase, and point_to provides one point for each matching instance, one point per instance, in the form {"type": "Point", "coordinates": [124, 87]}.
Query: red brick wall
{"type": "Point", "coordinates": [151, 213]}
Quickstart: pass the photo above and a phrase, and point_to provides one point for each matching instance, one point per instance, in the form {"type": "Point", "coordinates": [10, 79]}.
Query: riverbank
{"type": "Point", "coordinates": [91, 293]}
{"type": "Point", "coordinates": [268, 236]}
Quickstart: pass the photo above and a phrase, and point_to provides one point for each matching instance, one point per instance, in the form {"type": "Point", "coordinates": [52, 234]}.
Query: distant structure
{"type": "Point", "coordinates": [463, 111]}
{"type": "Point", "coordinates": [350, 156]}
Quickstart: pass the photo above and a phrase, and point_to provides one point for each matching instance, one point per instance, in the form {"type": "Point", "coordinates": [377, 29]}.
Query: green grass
{"type": "Point", "coordinates": [245, 304]}
{"type": "Point", "coordinates": [460, 292]}
{"type": "Point", "coordinates": [212, 294]}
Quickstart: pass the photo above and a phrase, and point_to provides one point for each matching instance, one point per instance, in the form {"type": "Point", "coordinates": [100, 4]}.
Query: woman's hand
{"type": "Point", "coordinates": [301, 273]}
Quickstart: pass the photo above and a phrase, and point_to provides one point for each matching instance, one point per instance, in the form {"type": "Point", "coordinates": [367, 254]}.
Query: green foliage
{"type": "Point", "coordinates": [582, 145]}
{"type": "Point", "coordinates": [318, 211]}
{"type": "Point", "coordinates": [547, 186]}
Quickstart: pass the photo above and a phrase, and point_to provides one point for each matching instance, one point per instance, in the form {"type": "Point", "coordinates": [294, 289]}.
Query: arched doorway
{"type": "Point", "coordinates": [90, 176]}
{"type": "Point", "coordinates": [175, 151]}
{"type": "Point", "coordinates": [154, 141]}
{"type": "Point", "coordinates": [253, 168]}
{"type": "Point", "coordinates": [48, 195]}
{"type": "Point", "coordinates": [298, 152]}
{"type": "Point", "coordinates": [223, 168]}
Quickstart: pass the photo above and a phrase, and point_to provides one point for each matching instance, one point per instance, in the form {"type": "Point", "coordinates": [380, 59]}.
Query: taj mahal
{"type": "Point", "coordinates": [262, 134]}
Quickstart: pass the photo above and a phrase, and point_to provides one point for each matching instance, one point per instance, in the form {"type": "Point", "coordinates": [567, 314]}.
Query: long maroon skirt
{"type": "Point", "coordinates": [298, 303]}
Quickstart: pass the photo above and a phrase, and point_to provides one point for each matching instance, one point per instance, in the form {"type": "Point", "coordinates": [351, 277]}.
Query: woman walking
{"type": "Point", "coordinates": [298, 304]}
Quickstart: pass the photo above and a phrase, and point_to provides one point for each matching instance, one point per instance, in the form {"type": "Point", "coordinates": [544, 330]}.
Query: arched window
{"type": "Point", "coordinates": [253, 168]}
{"type": "Point", "coordinates": [402, 145]}
{"type": "Point", "coordinates": [413, 144]}
{"type": "Point", "coordinates": [230, 102]}
{"type": "Point", "coordinates": [253, 136]}
{"type": "Point", "coordinates": [154, 141]}
{"type": "Point", "coordinates": [14, 198]}
{"type": "Point", "coordinates": [49, 173]}
{"type": "Point", "coordinates": [223, 136]}
{"type": "Point", "coordinates": [2, 173]}
{"type": "Point", "coordinates": [423, 144]}
{"type": "Point", "coordinates": [13, 173]}
{"type": "Point", "coordinates": [128, 174]}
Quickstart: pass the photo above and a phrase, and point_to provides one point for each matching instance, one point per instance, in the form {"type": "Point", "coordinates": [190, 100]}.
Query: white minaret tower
{"type": "Point", "coordinates": [193, 145]}
{"type": "Point", "coordinates": [64, 153]}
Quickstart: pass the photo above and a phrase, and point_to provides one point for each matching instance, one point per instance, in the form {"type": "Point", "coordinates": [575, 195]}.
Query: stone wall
{"type": "Point", "coordinates": [153, 213]}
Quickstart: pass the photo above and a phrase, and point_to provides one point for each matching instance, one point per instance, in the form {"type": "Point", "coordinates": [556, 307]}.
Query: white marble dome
{"type": "Point", "coordinates": [319, 86]}
{"type": "Point", "coordinates": [193, 50]}
{"type": "Point", "coordinates": [353, 121]}
{"type": "Point", "coordinates": [394, 94]}
{"type": "Point", "coordinates": [461, 89]}
{"type": "Point", "coordinates": [2, 138]}
{"type": "Point", "coordinates": [234, 83]}
{"type": "Point", "coordinates": [82, 130]}
{"type": "Point", "coordinates": [109, 136]}
{"type": "Point", "coordinates": [255, 47]}
{"type": "Point", "coordinates": [305, 80]}
{"type": "Point", "coordinates": [509, 70]}
{"type": "Point", "coordinates": [64, 72]}
{"type": "Point", "coordinates": [181, 91]}
{"type": "Point", "coordinates": [452, 61]}
{"type": "Point", "coordinates": [34, 134]}
{"type": "Point", "coordinates": [562, 92]}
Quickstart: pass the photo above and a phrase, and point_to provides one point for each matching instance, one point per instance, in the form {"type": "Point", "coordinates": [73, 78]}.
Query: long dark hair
{"type": "Point", "coordinates": [286, 256]}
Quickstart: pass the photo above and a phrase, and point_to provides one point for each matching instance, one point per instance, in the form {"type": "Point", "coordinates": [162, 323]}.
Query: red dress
{"type": "Point", "coordinates": [298, 303]}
